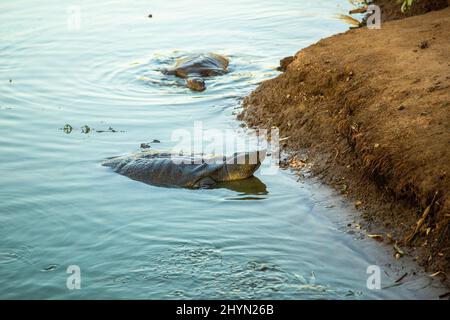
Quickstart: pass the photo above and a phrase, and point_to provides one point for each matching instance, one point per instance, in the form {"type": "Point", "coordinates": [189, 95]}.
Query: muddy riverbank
{"type": "Point", "coordinates": [367, 111]}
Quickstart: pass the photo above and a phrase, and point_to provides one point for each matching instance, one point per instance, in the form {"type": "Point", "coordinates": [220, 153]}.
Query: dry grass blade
{"type": "Point", "coordinates": [421, 221]}
{"type": "Point", "coordinates": [349, 20]}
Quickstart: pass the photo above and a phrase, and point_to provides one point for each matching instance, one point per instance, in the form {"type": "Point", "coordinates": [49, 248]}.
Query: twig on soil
{"type": "Point", "coordinates": [378, 237]}
{"type": "Point", "coordinates": [437, 273]}
{"type": "Point", "coordinates": [337, 154]}
{"type": "Point", "coordinates": [398, 250]}
{"type": "Point", "coordinates": [358, 10]}
{"type": "Point", "coordinates": [421, 221]}
{"type": "Point", "coordinates": [401, 278]}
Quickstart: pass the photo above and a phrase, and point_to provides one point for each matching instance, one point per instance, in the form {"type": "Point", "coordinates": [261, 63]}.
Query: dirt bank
{"type": "Point", "coordinates": [390, 8]}
{"type": "Point", "coordinates": [371, 111]}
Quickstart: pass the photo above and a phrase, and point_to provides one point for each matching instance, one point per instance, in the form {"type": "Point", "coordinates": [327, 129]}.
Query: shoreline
{"type": "Point", "coordinates": [367, 112]}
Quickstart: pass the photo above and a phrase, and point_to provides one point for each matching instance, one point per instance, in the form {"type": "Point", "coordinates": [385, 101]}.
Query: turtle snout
{"type": "Point", "coordinates": [196, 84]}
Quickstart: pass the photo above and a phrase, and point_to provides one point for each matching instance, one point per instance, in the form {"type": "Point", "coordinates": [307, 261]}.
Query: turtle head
{"type": "Point", "coordinates": [196, 84]}
{"type": "Point", "coordinates": [240, 166]}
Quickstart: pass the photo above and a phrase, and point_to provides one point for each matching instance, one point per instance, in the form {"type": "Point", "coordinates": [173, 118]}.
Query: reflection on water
{"type": "Point", "coordinates": [60, 207]}
{"type": "Point", "coordinates": [246, 188]}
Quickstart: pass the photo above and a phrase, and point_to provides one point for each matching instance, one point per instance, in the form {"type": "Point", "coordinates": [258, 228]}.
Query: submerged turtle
{"type": "Point", "coordinates": [194, 68]}
{"type": "Point", "coordinates": [167, 169]}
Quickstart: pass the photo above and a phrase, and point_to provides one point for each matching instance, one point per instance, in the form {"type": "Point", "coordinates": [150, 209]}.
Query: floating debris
{"type": "Point", "coordinates": [67, 128]}
{"type": "Point", "coordinates": [110, 129]}
{"type": "Point", "coordinates": [85, 129]}
{"type": "Point", "coordinates": [50, 267]}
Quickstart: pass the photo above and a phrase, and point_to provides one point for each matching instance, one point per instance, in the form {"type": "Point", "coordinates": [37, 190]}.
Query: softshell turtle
{"type": "Point", "coordinates": [196, 67]}
{"type": "Point", "coordinates": [168, 169]}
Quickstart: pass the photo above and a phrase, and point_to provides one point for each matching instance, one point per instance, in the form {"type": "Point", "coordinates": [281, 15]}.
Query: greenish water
{"type": "Point", "coordinates": [59, 207]}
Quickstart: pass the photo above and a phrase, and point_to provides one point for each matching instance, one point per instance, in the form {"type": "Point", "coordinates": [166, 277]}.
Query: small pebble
{"type": "Point", "coordinates": [423, 44]}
